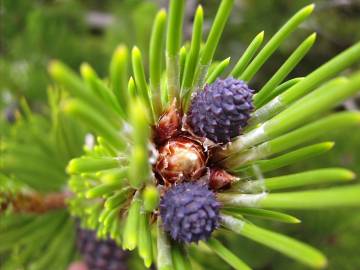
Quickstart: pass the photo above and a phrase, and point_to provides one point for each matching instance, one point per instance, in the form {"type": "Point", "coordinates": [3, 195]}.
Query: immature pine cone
{"type": "Point", "coordinates": [100, 254]}
{"type": "Point", "coordinates": [221, 111]}
{"type": "Point", "coordinates": [189, 212]}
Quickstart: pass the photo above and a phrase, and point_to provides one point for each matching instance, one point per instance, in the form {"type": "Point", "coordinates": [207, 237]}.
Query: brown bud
{"type": "Point", "coordinates": [180, 159]}
{"type": "Point", "coordinates": [220, 179]}
{"type": "Point", "coordinates": [168, 125]}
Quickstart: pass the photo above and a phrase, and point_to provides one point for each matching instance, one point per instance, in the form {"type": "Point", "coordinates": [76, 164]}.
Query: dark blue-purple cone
{"type": "Point", "coordinates": [222, 110]}
{"type": "Point", "coordinates": [100, 254]}
{"type": "Point", "coordinates": [189, 212]}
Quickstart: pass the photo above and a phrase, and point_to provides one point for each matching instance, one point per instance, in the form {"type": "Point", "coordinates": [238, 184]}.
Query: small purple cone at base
{"type": "Point", "coordinates": [189, 212]}
{"type": "Point", "coordinates": [221, 111]}
{"type": "Point", "coordinates": [99, 254]}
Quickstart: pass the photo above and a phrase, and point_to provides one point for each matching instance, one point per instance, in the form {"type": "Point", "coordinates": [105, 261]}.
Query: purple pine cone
{"type": "Point", "coordinates": [222, 110]}
{"type": "Point", "coordinates": [189, 212]}
{"type": "Point", "coordinates": [100, 254]}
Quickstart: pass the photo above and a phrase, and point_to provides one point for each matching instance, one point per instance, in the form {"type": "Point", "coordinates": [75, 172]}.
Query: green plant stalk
{"type": "Point", "coordinates": [38, 236]}
{"type": "Point", "coordinates": [132, 88]}
{"type": "Point", "coordinates": [101, 190]}
{"type": "Point", "coordinates": [140, 80]}
{"type": "Point", "coordinates": [99, 150]}
{"type": "Point", "coordinates": [29, 232]}
{"type": "Point", "coordinates": [92, 218]}
{"type": "Point", "coordinates": [139, 120]}
{"type": "Point", "coordinates": [117, 199]}
{"type": "Point", "coordinates": [284, 70]}
{"type": "Point", "coordinates": [174, 27]}
{"type": "Point", "coordinates": [68, 254]}
{"type": "Point", "coordinates": [216, 30]}
{"type": "Point", "coordinates": [193, 56]}
{"type": "Point", "coordinates": [275, 42]}
{"type": "Point", "coordinates": [118, 76]}
{"type": "Point", "coordinates": [226, 254]}
{"type": "Point", "coordinates": [294, 138]}
{"type": "Point", "coordinates": [19, 151]}
{"type": "Point", "coordinates": [164, 90]}
{"type": "Point", "coordinates": [286, 159]}
{"type": "Point", "coordinates": [173, 78]}
{"type": "Point", "coordinates": [284, 244]}
{"type": "Point", "coordinates": [76, 185]}
{"type": "Point", "coordinates": [75, 86]}
{"type": "Point", "coordinates": [50, 255]}
{"type": "Point", "coordinates": [173, 41]}
{"type": "Point", "coordinates": [96, 121]}
{"type": "Point", "coordinates": [145, 241]}
{"type": "Point", "coordinates": [164, 261]}
{"type": "Point", "coordinates": [348, 196]}
{"type": "Point", "coordinates": [156, 59]}
{"type": "Point", "coordinates": [139, 169]}
{"type": "Point", "coordinates": [110, 218]}
{"type": "Point", "coordinates": [313, 177]}
{"type": "Point", "coordinates": [89, 164]}
{"type": "Point", "coordinates": [182, 60]}
{"type": "Point", "coordinates": [131, 229]}
{"type": "Point", "coordinates": [104, 215]}
{"type": "Point", "coordinates": [212, 41]}
{"type": "Point", "coordinates": [247, 55]}
{"type": "Point", "coordinates": [23, 103]}
{"type": "Point", "coordinates": [94, 212]}
{"type": "Point", "coordinates": [179, 257]}
{"type": "Point", "coordinates": [314, 79]}
{"type": "Point", "coordinates": [151, 198]}
{"type": "Point", "coordinates": [12, 221]}
{"type": "Point", "coordinates": [106, 146]}
{"type": "Point", "coordinates": [14, 164]}
{"type": "Point", "coordinates": [219, 69]}
{"type": "Point", "coordinates": [115, 230]}
{"type": "Point", "coordinates": [99, 88]}
{"type": "Point", "coordinates": [282, 88]}
{"type": "Point", "coordinates": [30, 177]}
{"type": "Point", "coordinates": [314, 130]}
{"type": "Point", "coordinates": [15, 233]}
{"type": "Point", "coordinates": [309, 178]}
{"type": "Point", "coordinates": [315, 103]}
{"type": "Point", "coordinates": [261, 213]}
{"type": "Point", "coordinates": [112, 176]}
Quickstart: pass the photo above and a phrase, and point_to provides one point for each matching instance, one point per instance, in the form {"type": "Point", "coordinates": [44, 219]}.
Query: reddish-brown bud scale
{"type": "Point", "coordinates": [168, 126]}
{"type": "Point", "coordinates": [220, 179]}
{"type": "Point", "coordinates": [180, 159]}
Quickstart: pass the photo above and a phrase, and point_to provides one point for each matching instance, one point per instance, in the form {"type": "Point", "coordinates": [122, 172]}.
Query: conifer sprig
{"type": "Point", "coordinates": [118, 183]}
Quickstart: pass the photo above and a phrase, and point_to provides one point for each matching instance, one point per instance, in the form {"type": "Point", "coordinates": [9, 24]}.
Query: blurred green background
{"type": "Point", "coordinates": [34, 32]}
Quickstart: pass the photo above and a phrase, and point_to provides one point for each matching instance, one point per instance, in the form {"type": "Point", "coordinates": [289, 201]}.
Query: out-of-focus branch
{"type": "Point", "coordinates": [33, 202]}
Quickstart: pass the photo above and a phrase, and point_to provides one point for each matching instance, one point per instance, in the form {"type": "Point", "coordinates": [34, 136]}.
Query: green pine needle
{"type": "Point", "coordinates": [275, 42]}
